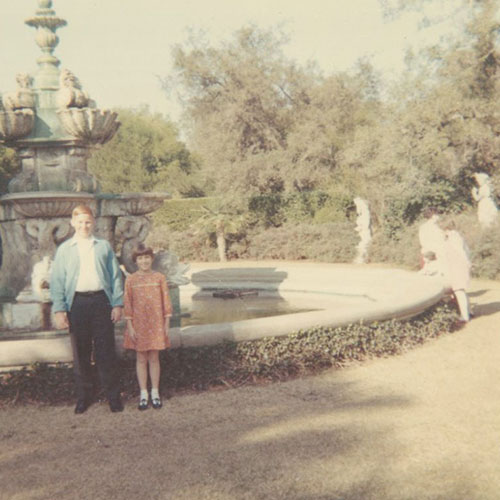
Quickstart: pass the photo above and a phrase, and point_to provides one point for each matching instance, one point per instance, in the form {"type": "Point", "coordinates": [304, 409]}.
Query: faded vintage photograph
{"type": "Point", "coordinates": [249, 250]}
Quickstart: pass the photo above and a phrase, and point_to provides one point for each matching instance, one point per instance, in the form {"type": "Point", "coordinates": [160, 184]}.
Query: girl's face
{"type": "Point", "coordinates": [144, 262]}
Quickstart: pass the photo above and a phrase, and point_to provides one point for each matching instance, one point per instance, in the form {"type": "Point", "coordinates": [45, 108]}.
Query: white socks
{"type": "Point", "coordinates": [155, 394]}
{"type": "Point", "coordinates": [463, 304]}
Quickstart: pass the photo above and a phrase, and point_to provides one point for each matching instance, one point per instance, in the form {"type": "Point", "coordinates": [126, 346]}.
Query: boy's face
{"type": "Point", "coordinates": [144, 262]}
{"type": "Point", "coordinates": [83, 225]}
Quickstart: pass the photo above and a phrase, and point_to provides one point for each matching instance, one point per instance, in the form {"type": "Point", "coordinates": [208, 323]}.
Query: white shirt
{"type": "Point", "coordinates": [88, 279]}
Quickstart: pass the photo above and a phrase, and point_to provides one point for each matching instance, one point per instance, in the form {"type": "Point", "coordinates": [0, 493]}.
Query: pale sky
{"type": "Point", "coordinates": [117, 48]}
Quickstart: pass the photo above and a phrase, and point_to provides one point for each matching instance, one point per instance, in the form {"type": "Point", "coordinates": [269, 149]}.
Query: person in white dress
{"type": "Point", "coordinates": [458, 268]}
{"type": "Point", "coordinates": [431, 237]}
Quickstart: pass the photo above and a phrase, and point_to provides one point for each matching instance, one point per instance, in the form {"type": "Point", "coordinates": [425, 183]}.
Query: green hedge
{"type": "Point", "coordinates": [235, 364]}
{"type": "Point", "coordinates": [180, 213]}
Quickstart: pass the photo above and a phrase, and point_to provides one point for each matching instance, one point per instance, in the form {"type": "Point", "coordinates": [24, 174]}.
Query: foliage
{"type": "Point", "coordinates": [187, 245]}
{"type": "Point", "coordinates": [330, 242]}
{"type": "Point", "coordinates": [180, 213]}
{"type": "Point", "coordinates": [231, 365]}
{"type": "Point", "coordinates": [9, 165]}
{"type": "Point", "coordinates": [276, 209]}
{"type": "Point", "coordinates": [145, 155]}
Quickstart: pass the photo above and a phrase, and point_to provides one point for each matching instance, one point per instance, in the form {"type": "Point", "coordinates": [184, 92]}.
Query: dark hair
{"type": "Point", "coordinates": [429, 212]}
{"type": "Point", "coordinates": [140, 250]}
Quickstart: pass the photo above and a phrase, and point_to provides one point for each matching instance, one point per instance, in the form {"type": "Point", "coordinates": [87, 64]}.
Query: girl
{"type": "Point", "coordinates": [147, 311]}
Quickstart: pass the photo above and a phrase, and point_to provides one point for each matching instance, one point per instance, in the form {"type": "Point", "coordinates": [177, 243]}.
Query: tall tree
{"type": "Point", "coordinates": [145, 155]}
{"type": "Point", "coordinates": [239, 100]}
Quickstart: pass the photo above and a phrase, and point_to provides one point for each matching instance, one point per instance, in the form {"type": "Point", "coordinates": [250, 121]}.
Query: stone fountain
{"type": "Point", "coordinates": [54, 126]}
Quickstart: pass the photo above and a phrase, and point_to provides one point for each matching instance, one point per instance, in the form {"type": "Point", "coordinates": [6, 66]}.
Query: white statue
{"type": "Point", "coordinates": [487, 210]}
{"type": "Point", "coordinates": [21, 98]}
{"type": "Point", "coordinates": [40, 279]}
{"type": "Point", "coordinates": [363, 229]}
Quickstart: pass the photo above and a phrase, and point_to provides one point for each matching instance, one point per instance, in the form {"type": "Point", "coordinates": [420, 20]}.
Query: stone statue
{"type": "Point", "coordinates": [22, 98]}
{"type": "Point", "coordinates": [168, 263]}
{"type": "Point", "coordinates": [363, 229]}
{"type": "Point", "coordinates": [40, 279]}
{"type": "Point", "coordinates": [70, 94]}
{"type": "Point", "coordinates": [487, 210]}
{"type": "Point", "coordinates": [129, 232]}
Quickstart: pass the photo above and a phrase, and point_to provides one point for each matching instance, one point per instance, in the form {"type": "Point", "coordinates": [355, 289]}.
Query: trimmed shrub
{"type": "Point", "coordinates": [402, 248]}
{"type": "Point", "coordinates": [333, 242]}
{"type": "Point", "coordinates": [187, 245]}
{"type": "Point", "coordinates": [232, 365]}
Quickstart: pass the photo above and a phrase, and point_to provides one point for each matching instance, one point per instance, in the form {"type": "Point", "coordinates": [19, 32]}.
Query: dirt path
{"type": "Point", "coordinates": [425, 425]}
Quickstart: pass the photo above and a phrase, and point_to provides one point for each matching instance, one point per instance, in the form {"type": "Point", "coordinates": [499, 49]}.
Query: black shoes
{"type": "Point", "coordinates": [143, 404]}
{"type": "Point", "coordinates": [156, 403]}
{"type": "Point", "coordinates": [115, 405]}
{"type": "Point", "coordinates": [81, 406]}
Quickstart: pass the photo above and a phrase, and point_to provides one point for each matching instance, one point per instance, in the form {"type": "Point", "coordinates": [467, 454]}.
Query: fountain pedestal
{"type": "Point", "coordinates": [54, 126]}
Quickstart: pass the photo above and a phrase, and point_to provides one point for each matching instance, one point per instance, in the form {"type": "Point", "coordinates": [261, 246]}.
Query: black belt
{"type": "Point", "coordinates": [89, 294]}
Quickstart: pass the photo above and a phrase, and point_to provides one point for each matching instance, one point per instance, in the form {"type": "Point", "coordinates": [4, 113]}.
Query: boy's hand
{"type": "Point", "coordinates": [61, 319]}
{"type": "Point", "coordinates": [116, 314]}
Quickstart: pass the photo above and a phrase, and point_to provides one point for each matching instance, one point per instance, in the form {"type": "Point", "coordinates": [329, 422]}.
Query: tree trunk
{"type": "Point", "coordinates": [221, 246]}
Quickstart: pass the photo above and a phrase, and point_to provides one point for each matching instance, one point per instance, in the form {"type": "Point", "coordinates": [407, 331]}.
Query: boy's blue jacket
{"type": "Point", "coordinates": [66, 269]}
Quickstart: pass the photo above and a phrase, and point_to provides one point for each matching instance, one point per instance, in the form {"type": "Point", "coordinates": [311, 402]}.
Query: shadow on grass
{"type": "Point", "coordinates": [310, 439]}
{"type": "Point", "coordinates": [487, 309]}
{"type": "Point", "coordinates": [279, 441]}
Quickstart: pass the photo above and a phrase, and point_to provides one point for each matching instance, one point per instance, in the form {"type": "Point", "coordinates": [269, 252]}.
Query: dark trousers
{"type": "Point", "coordinates": [91, 326]}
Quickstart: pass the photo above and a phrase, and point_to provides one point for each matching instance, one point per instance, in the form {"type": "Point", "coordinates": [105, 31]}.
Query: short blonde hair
{"type": "Point", "coordinates": [82, 209]}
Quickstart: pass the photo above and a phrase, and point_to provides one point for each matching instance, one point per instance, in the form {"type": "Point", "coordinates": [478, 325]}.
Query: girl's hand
{"type": "Point", "coordinates": [131, 331]}
{"type": "Point", "coordinates": [116, 314]}
{"type": "Point", "coordinates": [167, 323]}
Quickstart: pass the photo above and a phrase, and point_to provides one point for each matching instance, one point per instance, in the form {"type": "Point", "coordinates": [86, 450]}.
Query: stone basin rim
{"type": "Point", "coordinates": [412, 301]}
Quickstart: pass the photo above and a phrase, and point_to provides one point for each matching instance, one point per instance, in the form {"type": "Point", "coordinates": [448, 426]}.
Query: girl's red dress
{"type": "Point", "coordinates": [147, 304]}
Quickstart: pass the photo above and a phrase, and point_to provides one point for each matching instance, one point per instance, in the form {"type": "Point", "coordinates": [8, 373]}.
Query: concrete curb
{"type": "Point", "coordinates": [340, 293]}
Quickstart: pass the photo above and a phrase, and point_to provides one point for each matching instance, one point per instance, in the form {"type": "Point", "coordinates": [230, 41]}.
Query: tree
{"type": "Point", "coordinates": [145, 155]}
{"type": "Point", "coordinates": [240, 102]}
{"type": "Point", "coordinates": [221, 220]}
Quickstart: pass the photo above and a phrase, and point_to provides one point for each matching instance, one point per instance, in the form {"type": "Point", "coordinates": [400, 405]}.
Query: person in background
{"type": "Point", "coordinates": [87, 295]}
{"type": "Point", "coordinates": [147, 310]}
{"type": "Point", "coordinates": [431, 236]}
{"type": "Point", "coordinates": [458, 268]}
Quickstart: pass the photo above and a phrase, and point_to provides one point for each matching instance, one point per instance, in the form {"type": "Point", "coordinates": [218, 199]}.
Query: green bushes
{"type": "Point", "coordinates": [333, 242]}
{"type": "Point", "coordinates": [181, 213]}
{"type": "Point", "coordinates": [318, 226]}
{"type": "Point", "coordinates": [231, 365]}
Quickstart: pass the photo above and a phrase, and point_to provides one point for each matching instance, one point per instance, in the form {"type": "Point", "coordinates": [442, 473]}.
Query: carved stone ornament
{"type": "Point", "coordinates": [15, 124]}
{"type": "Point", "coordinates": [21, 98]}
{"type": "Point", "coordinates": [70, 93]}
{"type": "Point", "coordinates": [96, 126]}
{"type": "Point", "coordinates": [46, 204]}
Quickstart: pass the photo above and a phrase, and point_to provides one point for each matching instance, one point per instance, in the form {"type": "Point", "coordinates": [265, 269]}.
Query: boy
{"type": "Point", "coordinates": [87, 294]}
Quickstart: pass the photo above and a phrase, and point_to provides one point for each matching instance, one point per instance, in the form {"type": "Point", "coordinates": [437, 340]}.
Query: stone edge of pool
{"type": "Point", "coordinates": [385, 293]}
